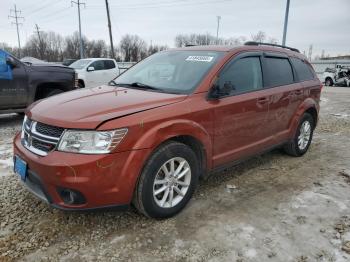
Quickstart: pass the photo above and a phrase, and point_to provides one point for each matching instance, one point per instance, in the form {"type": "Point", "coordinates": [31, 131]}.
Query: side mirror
{"type": "Point", "coordinates": [11, 62]}
{"type": "Point", "coordinates": [90, 68]}
{"type": "Point", "coordinates": [216, 91]}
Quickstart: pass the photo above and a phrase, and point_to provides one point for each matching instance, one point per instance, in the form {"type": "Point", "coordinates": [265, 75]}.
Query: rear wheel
{"type": "Point", "coordinates": [167, 181]}
{"type": "Point", "coordinates": [302, 138]}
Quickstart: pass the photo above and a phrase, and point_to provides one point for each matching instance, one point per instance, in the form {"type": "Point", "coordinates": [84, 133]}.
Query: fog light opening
{"type": "Point", "coordinates": [71, 197]}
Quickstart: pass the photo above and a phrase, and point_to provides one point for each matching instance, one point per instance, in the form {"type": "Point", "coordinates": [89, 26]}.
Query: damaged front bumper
{"type": "Point", "coordinates": [71, 181]}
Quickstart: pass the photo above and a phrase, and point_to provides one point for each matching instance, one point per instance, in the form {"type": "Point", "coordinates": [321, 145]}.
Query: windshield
{"type": "Point", "coordinates": [80, 64]}
{"type": "Point", "coordinates": [170, 71]}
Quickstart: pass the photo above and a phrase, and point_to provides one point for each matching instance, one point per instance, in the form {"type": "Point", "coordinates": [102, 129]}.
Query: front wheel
{"type": "Point", "coordinates": [329, 82]}
{"type": "Point", "coordinates": [168, 181]}
{"type": "Point", "coordinates": [302, 138]}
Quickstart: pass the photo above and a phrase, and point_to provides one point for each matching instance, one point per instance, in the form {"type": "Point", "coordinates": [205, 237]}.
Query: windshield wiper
{"type": "Point", "coordinates": [112, 83]}
{"type": "Point", "coordinates": [135, 84]}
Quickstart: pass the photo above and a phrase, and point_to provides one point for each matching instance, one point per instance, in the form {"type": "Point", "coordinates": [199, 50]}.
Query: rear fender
{"type": "Point", "coordinates": [303, 107]}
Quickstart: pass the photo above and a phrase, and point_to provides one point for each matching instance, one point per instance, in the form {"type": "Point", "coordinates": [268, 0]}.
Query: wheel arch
{"type": "Point", "coordinates": [81, 81]}
{"type": "Point", "coordinates": [184, 131]}
{"type": "Point", "coordinates": [308, 106]}
{"type": "Point", "coordinates": [198, 148]}
{"type": "Point", "coordinates": [44, 88]}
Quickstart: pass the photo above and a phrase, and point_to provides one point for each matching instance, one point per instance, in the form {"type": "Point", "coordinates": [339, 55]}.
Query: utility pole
{"type": "Point", "coordinates": [285, 23]}
{"type": "Point", "coordinates": [217, 29]}
{"type": "Point", "coordinates": [310, 53]}
{"type": "Point", "coordinates": [78, 3]}
{"type": "Point", "coordinates": [41, 44]}
{"type": "Point", "coordinates": [16, 17]}
{"type": "Point", "coordinates": [110, 29]}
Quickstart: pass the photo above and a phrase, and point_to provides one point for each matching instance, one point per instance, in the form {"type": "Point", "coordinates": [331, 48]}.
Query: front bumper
{"type": "Point", "coordinates": [105, 181]}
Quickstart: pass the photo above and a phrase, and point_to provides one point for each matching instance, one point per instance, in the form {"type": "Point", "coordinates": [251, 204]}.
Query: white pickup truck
{"type": "Point", "coordinates": [95, 71]}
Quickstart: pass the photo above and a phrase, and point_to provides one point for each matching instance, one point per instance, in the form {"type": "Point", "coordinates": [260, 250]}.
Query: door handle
{"type": "Point", "coordinates": [262, 100]}
{"type": "Point", "coordinates": [298, 92]}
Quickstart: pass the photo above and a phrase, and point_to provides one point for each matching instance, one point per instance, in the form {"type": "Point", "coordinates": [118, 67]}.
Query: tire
{"type": "Point", "coordinates": [147, 200]}
{"type": "Point", "coordinates": [299, 146]}
{"type": "Point", "coordinates": [53, 92]}
{"type": "Point", "coordinates": [80, 85]}
{"type": "Point", "coordinates": [329, 82]}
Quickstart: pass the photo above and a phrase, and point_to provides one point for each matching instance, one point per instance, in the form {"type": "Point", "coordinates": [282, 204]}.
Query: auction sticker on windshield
{"type": "Point", "coordinates": [200, 58]}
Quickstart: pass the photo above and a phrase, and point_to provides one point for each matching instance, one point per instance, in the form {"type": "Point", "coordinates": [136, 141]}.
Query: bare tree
{"type": "Point", "coordinates": [259, 37]}
{"type": "Point", "coordinates": [133, 48]}
{"type": "Point", "coordinates": [156, 48]}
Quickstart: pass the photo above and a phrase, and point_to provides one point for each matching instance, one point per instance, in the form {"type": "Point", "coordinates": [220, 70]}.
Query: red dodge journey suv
{"type": "Point", "coordinates": [175, 117]}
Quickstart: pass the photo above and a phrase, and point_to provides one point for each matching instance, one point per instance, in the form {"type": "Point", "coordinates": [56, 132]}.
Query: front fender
{"type": "Point", "coordinates": [153, 137]}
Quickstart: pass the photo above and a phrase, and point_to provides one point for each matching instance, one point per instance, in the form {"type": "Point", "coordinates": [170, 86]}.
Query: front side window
{"type": "Point", "coordinates": [98, 65]}
{"type": "Point", "coordinates": [80, 64]}
{"type": "Point", "coordinates": [302, 69]}
{"type": "Point", "coordinates": [171, 71]}
{"type": "Point", "coordinates": [243, 75]}
{"type": "Point", "coordinates": [278, 71]}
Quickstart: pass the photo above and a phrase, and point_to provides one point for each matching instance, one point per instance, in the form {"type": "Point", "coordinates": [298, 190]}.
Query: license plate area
{"type": "Point", "coordinates": [20, 167]}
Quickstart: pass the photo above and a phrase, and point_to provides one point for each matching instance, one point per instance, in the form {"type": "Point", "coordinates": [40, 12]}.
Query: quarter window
{"type": "Point", "coordinates": [278, 71]}
{"type": "Point", "coordinates": [302, 69]}
{"type": "Point", "coordinates": [242, 76]}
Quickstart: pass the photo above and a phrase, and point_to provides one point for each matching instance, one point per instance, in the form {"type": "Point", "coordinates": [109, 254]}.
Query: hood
{"type": "Point", "coordinates": [46, 67]}
{"type": "Point", "coordinates": [88, 107]}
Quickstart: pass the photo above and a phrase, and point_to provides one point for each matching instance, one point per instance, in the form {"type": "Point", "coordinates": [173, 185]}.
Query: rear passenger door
{"type": "Point", "coordinates": [285, 93]}
{"type": "Point", "coordinates": [111, 71]}
{"type": "Point", "coordinates": [307, 78]}
{"type": "Point", "coordinates": [240, 117]}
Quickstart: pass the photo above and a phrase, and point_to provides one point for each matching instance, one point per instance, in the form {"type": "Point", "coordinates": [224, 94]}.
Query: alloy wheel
{"type": "Point", "coordinates": [304, 135]}
{"type": "Point", "coordinates": [172, 182]}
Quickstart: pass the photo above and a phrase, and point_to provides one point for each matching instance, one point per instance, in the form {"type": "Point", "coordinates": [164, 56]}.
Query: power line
{"type": "Point", "coordinates": [78, 3]}
{"type": "Point", "coordinates": [16, 18]}
{"type": "Point", "coordinates": [164, 4]}
{"type": "Point", "coordinates": [53, 15]}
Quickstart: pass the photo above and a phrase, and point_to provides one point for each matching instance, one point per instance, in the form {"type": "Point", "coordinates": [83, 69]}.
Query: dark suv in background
{"type": "Point", "coordinates": [23, 83]}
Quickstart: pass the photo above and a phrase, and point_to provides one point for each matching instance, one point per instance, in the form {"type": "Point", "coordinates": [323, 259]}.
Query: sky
{"type": "Point", "coordinates": [323, 23]}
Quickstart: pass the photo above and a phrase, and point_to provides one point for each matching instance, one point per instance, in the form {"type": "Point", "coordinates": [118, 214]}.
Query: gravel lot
{"type": "Point", "coordinates": [270, 208]}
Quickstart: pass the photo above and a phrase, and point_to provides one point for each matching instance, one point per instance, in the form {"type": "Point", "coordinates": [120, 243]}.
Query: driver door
{"type": "Point", "coordinates": [13, 83]}
{"type": "Point", "coordinates": [241, 115]}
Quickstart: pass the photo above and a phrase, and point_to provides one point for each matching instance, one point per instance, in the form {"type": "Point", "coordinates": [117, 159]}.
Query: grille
{"type": "Point", "coordinates": [43, 146]}
{"type": "Point", "coordinates": [49, 130]}
{"type": "Point", "coordinates": [40, 138]}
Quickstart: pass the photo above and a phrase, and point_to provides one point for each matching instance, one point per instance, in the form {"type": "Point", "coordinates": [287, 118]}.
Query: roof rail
{"type": "Point", "coordinates": [268, 44]}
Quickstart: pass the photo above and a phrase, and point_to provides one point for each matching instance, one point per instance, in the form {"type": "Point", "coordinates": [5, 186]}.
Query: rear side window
{"type": "Point", "coordinates": [302, 69]}
{"type": "Point", "coordinates": [109, 64]}
{"type": "Point", "coordinates": [243, 75]}
{"type": "Point", "coordinates": [278, 71]}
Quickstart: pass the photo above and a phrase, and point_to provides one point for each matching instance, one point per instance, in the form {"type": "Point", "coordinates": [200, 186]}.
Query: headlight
{"type": "Point", "coordinates": [91, 142]}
